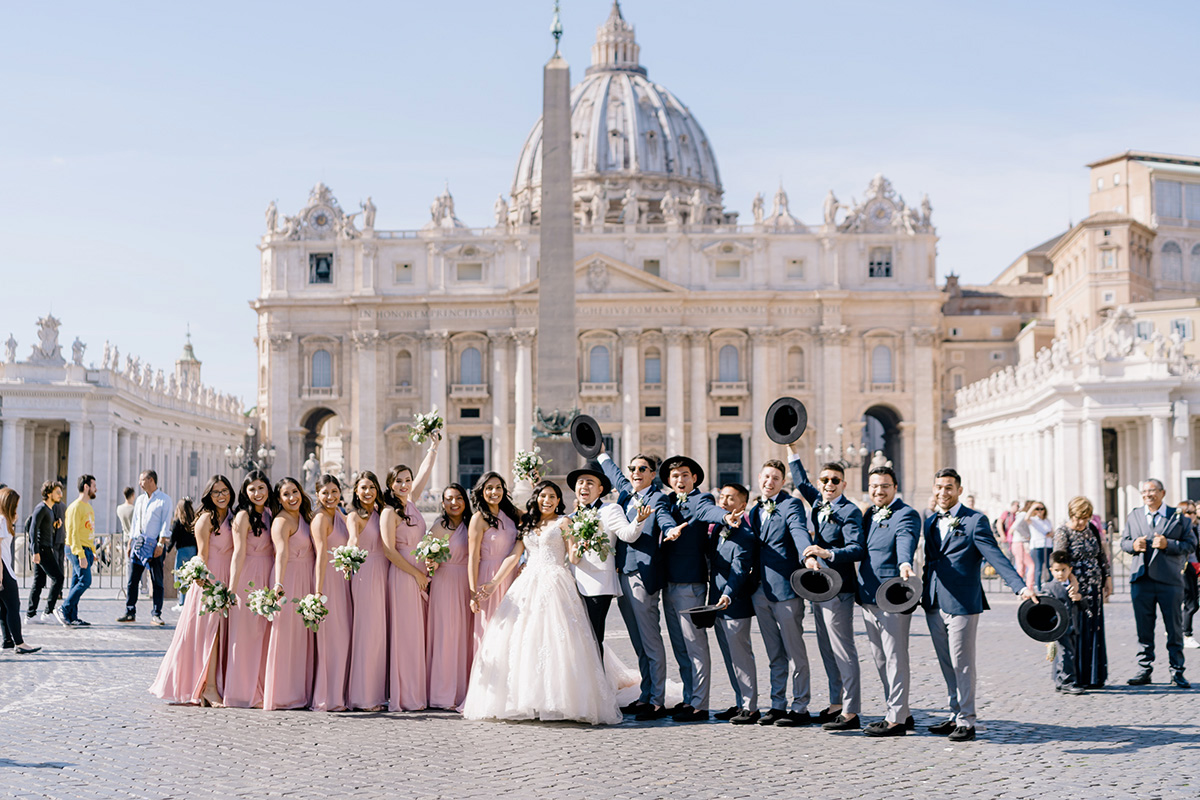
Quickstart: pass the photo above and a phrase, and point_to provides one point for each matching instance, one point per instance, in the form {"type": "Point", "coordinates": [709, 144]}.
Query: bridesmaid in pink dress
{"type": "Point", "coordinates": [368, 684]}
{"type": "Point", "coordinates": [449, 637]}
{"type": "Point", "coordinates": [189, 669]}
{"type": "Point", "coordinates": [401, 528]}
{"type": "Point", "coordinates": [491, 537]}
{"type": "Point", "coordinates": [253, 558]}
{"type": "Point", "coordinates": [289, 671]}
{"type": "Point", "coordinates": [333, 637]}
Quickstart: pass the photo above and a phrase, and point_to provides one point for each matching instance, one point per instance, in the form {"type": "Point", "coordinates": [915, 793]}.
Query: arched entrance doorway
{"type": "Point", "coordinates": [881, 435]}
{"type": "Point", "coordinates": [323, 438]}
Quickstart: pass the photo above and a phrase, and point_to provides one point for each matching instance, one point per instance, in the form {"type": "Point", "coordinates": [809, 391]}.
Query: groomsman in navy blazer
{"type": "Point", "coordinates": [731, 561]}
{"type": "Point", "coordinates": [1160, 538]}
{"type": "Point", "coordinates": [893, 530]}
{"type": "Point", "coordinates": [957, 542]}
{"type": "Point", "coordinates": [778, 524]}
{"type": "Point", "coordinates": [685, 513]}
{"type": "Point", "coordinates": [640, 573]}
{"type": "Point", "coordinates": [837, 527]}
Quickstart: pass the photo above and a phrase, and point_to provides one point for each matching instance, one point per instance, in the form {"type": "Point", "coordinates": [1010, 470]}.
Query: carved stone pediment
{"type": "Point", "coordinates": [726, 248]}
{"type": "Point", "coordinates": [601, 274]}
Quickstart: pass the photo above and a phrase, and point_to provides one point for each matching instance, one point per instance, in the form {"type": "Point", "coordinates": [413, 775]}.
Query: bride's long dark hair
{"type": "Point", "coordinates": [533, 514]}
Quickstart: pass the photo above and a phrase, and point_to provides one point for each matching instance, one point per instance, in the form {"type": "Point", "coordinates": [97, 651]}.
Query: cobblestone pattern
{"type": "Point", "coordinates": [76, 721]}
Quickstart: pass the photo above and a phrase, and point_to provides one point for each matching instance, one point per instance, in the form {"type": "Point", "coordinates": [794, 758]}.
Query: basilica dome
{"type": "Point", "coordinates": [631, 138]}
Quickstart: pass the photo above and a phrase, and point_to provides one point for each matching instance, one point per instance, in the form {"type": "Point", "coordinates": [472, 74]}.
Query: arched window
{"type": "Point", "coordinates": [322, 370]}
{"type": "Point", "coordinates": [470, 367]}
{"type": "Point", "coordinates": [795, 365]}
{"type": "Point", "coordinates": [727, 364]}
{"type": "Point", "coordinates": [1172, 262]}
{"type": "Point", "coordinates": [404, 368]}
{"type": "Point", "coordinates": [653, 367]}
{"type": "Point", "coordinates": [1194, 266]}
{"type": "Point", "coordinates": [881, 364]}
{"type": "Point", "coordinates": [598, 365]}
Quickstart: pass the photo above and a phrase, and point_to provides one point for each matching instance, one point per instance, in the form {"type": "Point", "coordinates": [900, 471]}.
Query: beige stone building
{"type": "Point", "coordinates": [691, 319]}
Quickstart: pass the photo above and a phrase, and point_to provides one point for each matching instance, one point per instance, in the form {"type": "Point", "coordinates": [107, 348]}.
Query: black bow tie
{"type": "Point", "coordinates": [944, 515]}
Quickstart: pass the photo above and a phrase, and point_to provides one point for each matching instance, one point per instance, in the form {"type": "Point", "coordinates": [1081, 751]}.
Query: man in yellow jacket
{"type": "Point", "coordinates": [81, 530]}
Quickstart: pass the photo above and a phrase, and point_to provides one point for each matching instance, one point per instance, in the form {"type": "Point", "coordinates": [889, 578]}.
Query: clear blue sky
{"type": "Point", "coordinates": [140, 142]}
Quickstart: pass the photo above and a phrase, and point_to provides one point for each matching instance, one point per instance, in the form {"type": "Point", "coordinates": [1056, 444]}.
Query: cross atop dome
{"type": "Point", "coordinates": [615, 47]}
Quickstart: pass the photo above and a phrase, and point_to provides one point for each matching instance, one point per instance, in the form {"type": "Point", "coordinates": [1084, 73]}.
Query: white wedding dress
{"type": "Point", "coordinates": [538, 658]}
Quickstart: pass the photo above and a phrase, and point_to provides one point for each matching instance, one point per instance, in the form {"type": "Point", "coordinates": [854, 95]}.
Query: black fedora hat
{"type": "Point", "coordinates": [703, 616]}
{"type": "Point", "coordinates": [898, 596]}
{"type": "Point", "coordinates": [1043, 621]}
{"type": "Point", "coordinates": [817, 585]}
{"type": "Point", "coordinates": [586, 436]}
{"type": "Point", "coordinates": [664, 471]}
{"type": "Point", "coordinates": [786, 420]}
{"type": "Point", "coordinates": [594, 469]}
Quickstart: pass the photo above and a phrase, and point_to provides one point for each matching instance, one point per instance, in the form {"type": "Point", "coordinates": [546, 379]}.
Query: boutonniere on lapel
{"type": "Point", "coordinates": [825, 513]}
{"type": "Point", "coordinates": [681, 498]}
{"type": "Point", "coordinates": [954, 525]}
{"type": "Point", "coordinates": [882, 514]}
{"type": "Point", "coordinates": [724, 531]}
{"type": "Point", "coordinates": [639, 502]}
{"type": "Point", "coordinates": [769, 507]}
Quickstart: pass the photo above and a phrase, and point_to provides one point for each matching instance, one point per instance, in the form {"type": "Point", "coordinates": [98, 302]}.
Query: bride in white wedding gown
{"type": "Point", "coordinates": [538, 658]}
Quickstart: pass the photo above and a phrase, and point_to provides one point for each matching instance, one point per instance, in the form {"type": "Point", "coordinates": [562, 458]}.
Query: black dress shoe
{"type": "Point", "coordinates": [651, 713]}
{"type": "Point", "coordinates": [744, 718]}
{"type": "Point", "coordinates": [943, 728]}
{"type": "Point", "coordinates": [843, 723]}
{"type": "Point", "coordinates": [962, 734]}
{"type": "Point", "coordinates": [885, 730]}
{"type": "Point", "coordinates": [689, 714]}
{"type": "Point", "coordinates": [1180, 681]}
{"type": "Point", "coordinates": [770, 717]}
{"type": "Point", "coordinates": [24, 650]}
{"type": "Point", "coordinates": [634, 707]}
{"type": "Point", "coordinates": [679, 707]}
{"type": "Point", "coordinates": [127, 618]}
{"type": "Point", "coordinates": [795, 719]}
{"type": "Point", "coordinates": [827, 716]}
{"type": "Point", "coordinates": [910, 723]}
{"type": "Point", "coordinates": [1141, 679]}
{"type": "Point", "coordinates": [1070, 688]}
{"type": "Point", "coordinates": [727, 714]}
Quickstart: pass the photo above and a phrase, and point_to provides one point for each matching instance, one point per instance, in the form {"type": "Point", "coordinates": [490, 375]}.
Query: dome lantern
{"type": "Point", "coordinates": [615, 47]}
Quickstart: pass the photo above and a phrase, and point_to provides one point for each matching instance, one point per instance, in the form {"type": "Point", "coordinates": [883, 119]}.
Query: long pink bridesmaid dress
{"type": "Point", "coordinates": [449, 637]}
{"type": "Point", "coordinates": [497, 544]}
{"type": "Point", "coordinates": [368, 640]}
{"type": "Point", "coordinates": [333, 637]}
{"type": "Point", "coordinates": [248, 632]}
{"type": "Point", "coordinates": [289, 671]}
{"type": "Point", "coordinates": [408, 685]}
{"type": "Point", "coordinates": [184, 670]}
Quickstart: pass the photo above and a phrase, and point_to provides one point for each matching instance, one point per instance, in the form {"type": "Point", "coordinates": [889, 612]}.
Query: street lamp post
{"type": "Point", "coordinates": [845, 454]}
{"type": "Point", "coordinates": [251, 454]}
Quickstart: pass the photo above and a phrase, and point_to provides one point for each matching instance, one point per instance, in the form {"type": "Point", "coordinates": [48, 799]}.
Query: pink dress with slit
{"type": "Point", "coordinates": [246, 654]}
{"type": "Point", "coordinates": [289, 671]}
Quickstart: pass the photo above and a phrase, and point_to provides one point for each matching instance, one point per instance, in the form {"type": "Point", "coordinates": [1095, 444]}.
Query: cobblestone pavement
{"type": "Point", "coordinates": [76, 721]}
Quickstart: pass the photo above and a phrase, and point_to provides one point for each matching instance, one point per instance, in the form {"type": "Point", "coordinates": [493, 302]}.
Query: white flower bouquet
{"type": "Point", "coordinates": [589, 535]}
{"type": "Point", "coordinates": [425, 425]}
{"type": "Point", "coordinates": [432, 549]}
{"type": "Point", "coordinates": [265, 602]}
{"type": "Point", "coordinates": [217, 598]}
{"type": "Point", "coordinates": [312, 610]}
{"type": "Point", "coordinates": [529, 465]}
{"type": "Point", "coordinates": [347, 559]}
{"type": "Point", "coordinates": [192, 571]}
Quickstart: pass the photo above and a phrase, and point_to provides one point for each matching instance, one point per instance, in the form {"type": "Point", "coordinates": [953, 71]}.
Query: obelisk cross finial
{"type": "Point", "coordinates": [556, 29]}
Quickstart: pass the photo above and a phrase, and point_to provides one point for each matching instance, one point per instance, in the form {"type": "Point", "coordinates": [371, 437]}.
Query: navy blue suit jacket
{"type": "Point", "coordinates": [953, 581]}
{"type": "Point", "coordinates": [1165, 566]}
{"type": "Point", "coordinates": [841, 534]}
{"type": "Point", "coordinates": [685, 560]}
{"type": "Point", "coordinates": [781, 540]}
{"type": "Point", "coordinates": [890, 543]}
{"type": "Point", "coordinates": [641, 557]}
{"type": "Point", "coordinates": [731, 556]}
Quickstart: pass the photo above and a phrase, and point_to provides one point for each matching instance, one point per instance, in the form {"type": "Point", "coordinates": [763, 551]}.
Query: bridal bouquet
{"type": "Point", "coordinates": [347, 559]}
{"type": "Point", "coordinates": [425, 425]}
{"type": "Point", "coordinates": [433, 548]}
{"type": "Point", "coordinates": [193, 571]}
{"type": "Point", "coordinates": [265, 602]}
{"type": "Point", "coordinates": [588, 533]}
{"type": "Point", "coordinates": [216, 598]}
{"type": "Point", "coordinates": [312, 610]}
{"type": "Point", "coordinates": [529, 465]}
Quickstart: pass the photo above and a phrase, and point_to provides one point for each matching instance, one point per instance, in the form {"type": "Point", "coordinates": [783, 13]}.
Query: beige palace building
{"type": "Point", "coordinates": [691, 320]}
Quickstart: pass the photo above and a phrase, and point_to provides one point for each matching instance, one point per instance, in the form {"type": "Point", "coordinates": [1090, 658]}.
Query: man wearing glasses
{"type": "Point", "coordinates": [639, 572]}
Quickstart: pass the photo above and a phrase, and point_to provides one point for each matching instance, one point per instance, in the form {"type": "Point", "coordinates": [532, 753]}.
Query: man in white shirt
{"type": "Point", "coordinates": [150, 531]}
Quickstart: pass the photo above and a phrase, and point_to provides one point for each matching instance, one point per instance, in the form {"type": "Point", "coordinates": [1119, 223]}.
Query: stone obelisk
{"type": "Point", "coordinates": [557, 369]}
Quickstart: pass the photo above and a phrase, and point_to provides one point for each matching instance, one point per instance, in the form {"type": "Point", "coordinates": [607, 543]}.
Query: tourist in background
{"type": "Point", "coordinates": [253, 559]}
{"type": "Point", "coordinates": [151, 529]}
{"type": "Point", "coordinates": [328, 528]}
{"type": "Point", "coordinates": [451, 631]}
{"type": "Point", "coordinates": [1084, 543]}
{"type": "Point", "coordinates": [1191, 579]}
{"type": "Point", "coordinates": [1018, 543]}
{"type": "Point", "coordinates": [1041, 537]}
{"type": "Point", "coordinates": [183, 539]}
{"type": "Point", "coordinates": [125, 517]}
{"type": "Point", "coordinates": [44, 531]}
{"type": "Point", "coordinates": [10, 597]}
{"type": "Point", "coordinates": [81, 544]}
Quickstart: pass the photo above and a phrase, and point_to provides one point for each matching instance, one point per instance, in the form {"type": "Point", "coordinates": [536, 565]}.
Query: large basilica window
{"type": "Point", "coordinates": [1194, 266]}
{"type": "Point", "coordinates": [599, 366]}
{"type": "Point", "coordinates": [1172, 262]}
{"type": "Point", "coordinates": [881, 364]}
{"type": "Point", "coordinates": [652, 367]}
{"type": "Point", "coordinates": [404, 368]}
{"type": "Point", "coordinates": [728, 370]}
{"type": "Point", "coordinates": [470, 367]}
{"type": "Point", "coordinates": [322, 370]}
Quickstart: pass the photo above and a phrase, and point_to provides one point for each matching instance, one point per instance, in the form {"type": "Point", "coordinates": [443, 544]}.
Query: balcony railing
{"type": "Point", "coordinates": [468, 391]}
{"type": "Point", "coordinates": [728, 389]}
{"type": "Point", "coordinates": [320, 391]}
{"type": "Point", "coordinates": [589, 389]}
{"type": "Point", "coordinates": [795, 386]}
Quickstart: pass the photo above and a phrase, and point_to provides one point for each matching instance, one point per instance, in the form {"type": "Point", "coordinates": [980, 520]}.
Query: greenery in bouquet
{"type": "Point", "coordinates": [432, 549]}
{"type": "Point", "coordinates": [312, 610]}
{"type": "Point", "coordinates": [425, 425]}
{"type": "Point", "coordinates": [217, 598]}
{"type": "Point", "coordinates": [347, 559]}
{"type": "Point", "coordinates": [589, 534]}
{"type": "Point", "coordinates": [265, 602]}
{"type": "Point", "coordinates": [192, 571]}
{"type": "Point", "coordinates": [529, 465]}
